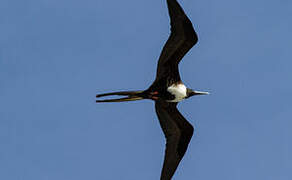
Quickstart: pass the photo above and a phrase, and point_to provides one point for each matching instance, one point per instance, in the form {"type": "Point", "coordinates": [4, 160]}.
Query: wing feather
{"type": "Point", "coordinates": [182, 38]}
{"type": "Point", "coordinates": [178, 133]}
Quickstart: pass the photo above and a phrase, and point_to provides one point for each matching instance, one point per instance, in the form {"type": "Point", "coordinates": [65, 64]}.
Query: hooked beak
{"type": "Point", "coordinates": [192, 93]}
{"type": "Point", "coordinates": [200, 93]}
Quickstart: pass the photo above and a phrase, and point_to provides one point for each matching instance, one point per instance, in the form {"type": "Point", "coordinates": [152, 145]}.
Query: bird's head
{"type": "Point", "coordinates": [191, 92]}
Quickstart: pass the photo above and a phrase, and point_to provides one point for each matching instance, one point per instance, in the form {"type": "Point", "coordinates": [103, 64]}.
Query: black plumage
{"type": "Point", "coordinates": [178, 131]}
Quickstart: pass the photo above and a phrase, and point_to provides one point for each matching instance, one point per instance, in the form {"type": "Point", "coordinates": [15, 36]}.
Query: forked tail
{"type": "Point", "coordinates": [130, 96]}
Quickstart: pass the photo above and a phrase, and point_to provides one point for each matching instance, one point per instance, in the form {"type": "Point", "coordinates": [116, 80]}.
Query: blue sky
{"type": "Point", "coordinates": [56, 55]}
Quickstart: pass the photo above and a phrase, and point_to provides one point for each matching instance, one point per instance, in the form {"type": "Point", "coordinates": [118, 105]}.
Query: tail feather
{"type": "Point", "coordinates": [131, 96]}
{"type": "Point", "coordinates": [121, 93]}
{"type": "Point", "coordinates": [121, 99]}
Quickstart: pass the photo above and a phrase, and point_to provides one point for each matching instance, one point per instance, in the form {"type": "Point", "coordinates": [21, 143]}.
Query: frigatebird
{"type": "Point", "coordinates": [167, 90]}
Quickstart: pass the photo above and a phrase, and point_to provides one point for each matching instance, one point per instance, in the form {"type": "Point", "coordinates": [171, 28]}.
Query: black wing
{"type": "Point", "coordinates": [182, 38]}
{"type": "Point", "coordinates": [178, 133]}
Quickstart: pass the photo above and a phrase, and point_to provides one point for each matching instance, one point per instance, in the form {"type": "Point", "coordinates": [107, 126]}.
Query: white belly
{"type": "Point", "coordinates": [179, 91]}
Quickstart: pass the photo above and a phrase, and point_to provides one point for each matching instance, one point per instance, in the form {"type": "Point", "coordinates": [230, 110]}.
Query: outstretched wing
{"type": "Point", "coordinates": [178, 133]}
{"type": "Point", "coordinates": [182, 38]}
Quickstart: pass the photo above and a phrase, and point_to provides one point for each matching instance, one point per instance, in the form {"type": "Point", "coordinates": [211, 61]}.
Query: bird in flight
{"type": "Point", "coordinates": [168, 89]}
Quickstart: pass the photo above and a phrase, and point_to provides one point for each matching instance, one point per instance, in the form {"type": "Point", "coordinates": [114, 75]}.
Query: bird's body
{"type": "Point", "coordinates": [167, 90]}
{"type": "Point", "coordinates": [179, 91]}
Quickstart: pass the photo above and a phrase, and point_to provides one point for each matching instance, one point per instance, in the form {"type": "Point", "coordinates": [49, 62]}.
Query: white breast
{"type": "Point", "coordinates": [179, 91]}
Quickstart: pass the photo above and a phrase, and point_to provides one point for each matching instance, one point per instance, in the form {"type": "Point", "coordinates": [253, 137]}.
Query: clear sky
{"type": "Point", "coordinates": [55, 55]}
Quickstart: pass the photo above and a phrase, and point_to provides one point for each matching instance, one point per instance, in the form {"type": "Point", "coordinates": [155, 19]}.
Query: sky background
{"type": "Point", "coordinates": [55, 55]}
